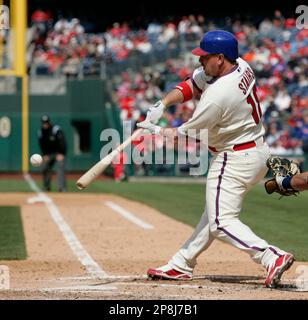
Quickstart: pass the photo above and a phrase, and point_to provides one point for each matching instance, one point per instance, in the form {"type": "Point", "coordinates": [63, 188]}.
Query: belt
{"type": "Point", "coordinates": [244, 146]}
{"type": "Point", "coordinates": [238, 147]}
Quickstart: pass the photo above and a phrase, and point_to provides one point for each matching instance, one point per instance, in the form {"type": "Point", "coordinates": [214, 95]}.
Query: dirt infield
{"type": "Point", "coordinates": [97, 246]}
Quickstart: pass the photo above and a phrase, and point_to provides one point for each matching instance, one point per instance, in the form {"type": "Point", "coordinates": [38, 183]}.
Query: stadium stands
{"type": "Point", "coordinates": [156, 57]}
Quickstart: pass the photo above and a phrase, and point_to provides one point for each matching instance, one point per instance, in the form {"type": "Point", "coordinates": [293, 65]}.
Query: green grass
{"type": "Point", "coordinates": [283, 223]}
{"type": "Point", "coordinates": [12, 241]}
{"type": "Point", "coordinates": [14, 185]}
{"type": "Point", "coordinates": [179, 201]}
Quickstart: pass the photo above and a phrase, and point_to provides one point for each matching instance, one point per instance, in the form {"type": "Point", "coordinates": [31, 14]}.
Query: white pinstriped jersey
{"type": "Point", "coordinates": [229, 107]}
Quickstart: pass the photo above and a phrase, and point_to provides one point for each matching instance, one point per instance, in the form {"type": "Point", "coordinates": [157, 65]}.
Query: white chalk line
{"type": "Point", "coordinates": [129, 280]}
{"type": "Point", "coordinates": [96, 273]}
{"type": "Point", "coordinates": [108, 287]}
{"type": "Point", "coordinates": [77, 288]}
{"type": "Point", "coordinates": [168, 285]}
{"type": "Point", "coordinates": [82, 278]}
{"type": "Point", "coordinates": [128, 215]}
{"type": "Point", "coordinates": [150, 284]}
{"type": "Point", "coordinates": [94, 270]}
{"type": "Point", "coordinates": [79, 251]}
{"type": "Point", "coordinates": [110, 291]}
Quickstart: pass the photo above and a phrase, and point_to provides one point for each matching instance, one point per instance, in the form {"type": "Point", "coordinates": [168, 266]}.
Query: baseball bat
{"type": "Point", "coordinates": [100, 166]}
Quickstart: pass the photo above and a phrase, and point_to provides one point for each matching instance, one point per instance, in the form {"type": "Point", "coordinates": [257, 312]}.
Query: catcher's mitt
{"type": "Point", "coordinates": [280, 168]}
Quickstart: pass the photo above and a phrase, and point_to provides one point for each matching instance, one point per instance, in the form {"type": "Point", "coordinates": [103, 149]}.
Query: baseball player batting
{"type": "Point", "coordinates": [229, 108]}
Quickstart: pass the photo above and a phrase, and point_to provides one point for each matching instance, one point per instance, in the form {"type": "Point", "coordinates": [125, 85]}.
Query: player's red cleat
{"type": "Point", "coordinates": [169, 274]}
{"type": "Point", "coordinates": [275, 272]}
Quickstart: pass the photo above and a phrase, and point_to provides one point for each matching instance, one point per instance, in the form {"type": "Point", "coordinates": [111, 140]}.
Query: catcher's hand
{"type": "Point", "coordinates": [280, 168]}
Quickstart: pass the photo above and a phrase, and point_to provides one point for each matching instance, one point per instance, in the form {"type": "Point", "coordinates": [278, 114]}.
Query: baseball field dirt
{"type": "Point", "coordinates": [96, 246]}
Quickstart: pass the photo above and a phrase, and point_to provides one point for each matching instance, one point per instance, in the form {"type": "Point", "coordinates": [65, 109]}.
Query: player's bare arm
{"type": "Point", "coordinates": [300, 181]}
{"type": "Point", "coordinates": [182, 92]}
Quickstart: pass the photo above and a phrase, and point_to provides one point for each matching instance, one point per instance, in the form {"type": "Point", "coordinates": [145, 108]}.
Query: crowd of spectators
{"type": "Point", "coordinates": [278, 53]}
{"type": "Point", "coordinates": [64, 46]}
{"type": "Point", "coordinates": [275, 48]}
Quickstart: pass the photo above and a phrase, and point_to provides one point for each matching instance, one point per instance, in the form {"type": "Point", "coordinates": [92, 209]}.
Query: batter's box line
{"type": "Point", "coordinates": [159, 284]}
{"type": "Point", "coordinates": [83, 288]}
{"type": "Point", "coordinates": [256, 281]}
{"type": "Point", "coordinates": [64, 289]}
{"type": "Point", "coordinates": [108, 278]}
{"type": "Point", "coordinates": [130, 278]}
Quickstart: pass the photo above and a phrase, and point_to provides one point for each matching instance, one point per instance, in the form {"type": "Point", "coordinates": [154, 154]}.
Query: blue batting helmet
{"type": "Point", "coordinates": [218, 41]}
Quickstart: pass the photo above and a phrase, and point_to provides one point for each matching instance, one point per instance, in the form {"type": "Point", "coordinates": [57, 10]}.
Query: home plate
{"type": "Point", "coordinates": [302, 287]}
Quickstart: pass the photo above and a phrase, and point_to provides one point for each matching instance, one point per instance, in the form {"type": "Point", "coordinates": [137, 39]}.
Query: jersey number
{"type": "Point", "coordinates": [253, 100]}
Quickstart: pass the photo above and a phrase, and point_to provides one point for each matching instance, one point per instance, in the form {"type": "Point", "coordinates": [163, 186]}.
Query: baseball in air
{"type": "Point", "coordinates": [36, 160]}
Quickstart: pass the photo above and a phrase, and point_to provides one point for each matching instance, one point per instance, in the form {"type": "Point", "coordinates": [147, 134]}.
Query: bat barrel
{"type": "Point", "coordinates": [98, 168]}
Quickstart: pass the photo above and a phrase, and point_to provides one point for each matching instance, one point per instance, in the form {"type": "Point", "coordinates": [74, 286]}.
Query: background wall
{"type": "Point", "coordinates": [85, 106]}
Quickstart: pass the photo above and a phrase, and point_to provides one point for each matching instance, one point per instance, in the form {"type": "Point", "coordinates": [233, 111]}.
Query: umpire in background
{"type": "Point", "coordinates": [53, 147]}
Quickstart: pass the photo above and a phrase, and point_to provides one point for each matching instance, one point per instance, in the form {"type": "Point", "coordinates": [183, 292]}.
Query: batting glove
{"type": "Point", "coordinates": [152, 128]}
{"type": "Point", "coordinates": [155, 112]}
